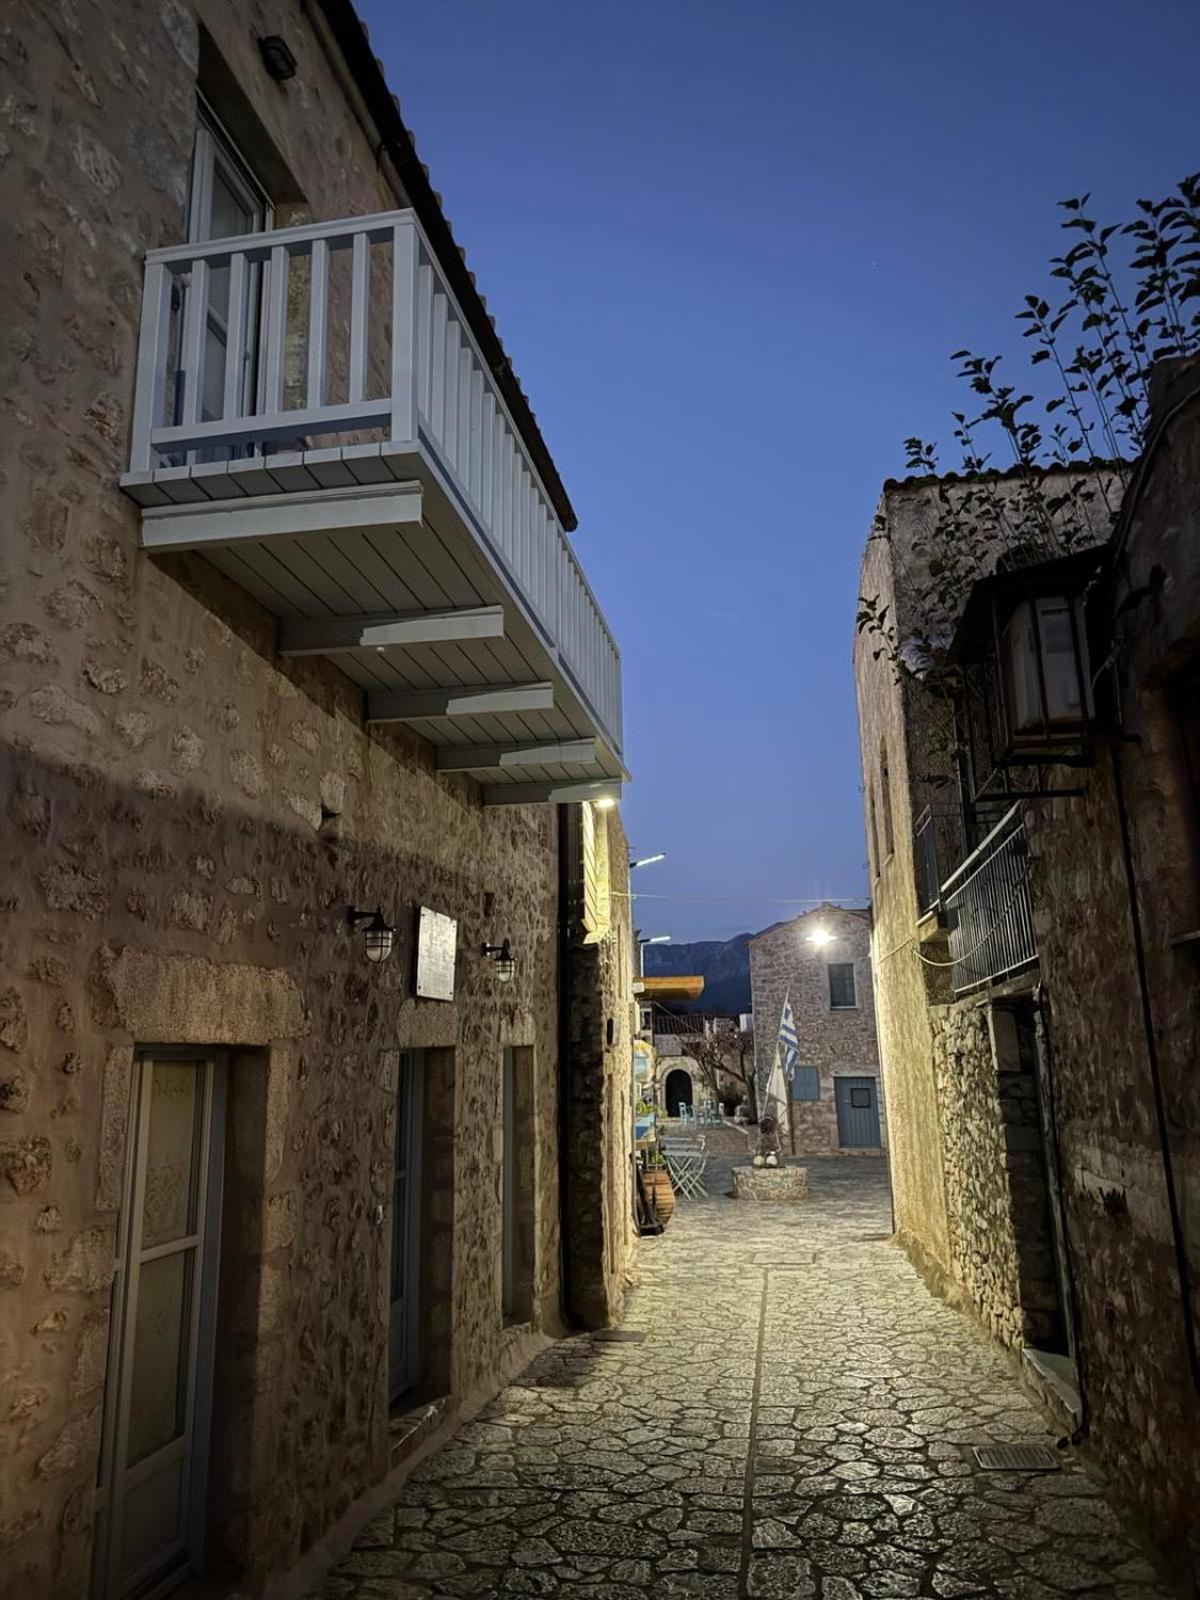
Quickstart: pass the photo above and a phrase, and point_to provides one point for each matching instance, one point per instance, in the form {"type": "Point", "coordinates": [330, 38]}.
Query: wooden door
{"type": "Point", "coordinates": [857, 1113]}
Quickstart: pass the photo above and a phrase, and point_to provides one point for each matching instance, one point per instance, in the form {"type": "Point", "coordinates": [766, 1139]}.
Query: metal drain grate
{"type": "Point", "coordinates": [1015, 1457]}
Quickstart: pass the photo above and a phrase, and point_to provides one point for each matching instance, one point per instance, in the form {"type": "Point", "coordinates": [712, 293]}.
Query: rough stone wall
{"type": "Point", "coordinates": [999, 1222]}
{"type": "Point", "coordinates": [837, 1042]}
{"type": "Point", "coordinates": [187, 819]}
{"type": "Point", "coordinates": [600, 1010]}
{"type": "Point", "coordinates": [1144, 1412]}
{"type": "Point", "coordinates": [903, 987]}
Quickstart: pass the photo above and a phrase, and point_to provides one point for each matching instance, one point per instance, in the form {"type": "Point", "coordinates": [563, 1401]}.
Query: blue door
{"type": "Point", "coordinates": [857, 1113]}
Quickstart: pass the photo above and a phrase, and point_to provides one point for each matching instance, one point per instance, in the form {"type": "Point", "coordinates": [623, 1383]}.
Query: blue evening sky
{"type": "Point", "coordinates": [729, 248]}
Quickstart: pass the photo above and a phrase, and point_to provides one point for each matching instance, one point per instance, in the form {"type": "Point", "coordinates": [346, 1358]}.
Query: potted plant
{"type": "Point", "coordinates": [657, 1183]}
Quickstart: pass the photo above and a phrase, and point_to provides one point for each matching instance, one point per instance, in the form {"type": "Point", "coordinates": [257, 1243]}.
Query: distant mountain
{"type": "Point", "coordinates": [724, 964]}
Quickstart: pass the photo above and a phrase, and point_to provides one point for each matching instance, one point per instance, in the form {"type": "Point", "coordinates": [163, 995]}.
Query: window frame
{"type": "Point", "coordinates": [815, 1080]}
{"type": "Point", "coordinates": [841, 966]}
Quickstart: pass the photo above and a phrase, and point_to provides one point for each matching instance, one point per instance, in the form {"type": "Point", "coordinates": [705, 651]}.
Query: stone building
{"type": "Point", "coordinates": [290, 627]}
{"type": "Point", "coordinates": [821, 962]}
{"type": "Point", "coordinates": [1033, 822]}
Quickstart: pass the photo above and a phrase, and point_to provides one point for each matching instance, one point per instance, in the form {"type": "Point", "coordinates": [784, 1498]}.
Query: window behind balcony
{"type": "Point", "coordinates": [842, 996]}
{"type": "Point", "coordinates": [224, 201]}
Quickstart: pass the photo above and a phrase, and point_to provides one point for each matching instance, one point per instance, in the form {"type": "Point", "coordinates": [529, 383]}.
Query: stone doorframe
{"type": "Point", "coordinates": [257, 1015]}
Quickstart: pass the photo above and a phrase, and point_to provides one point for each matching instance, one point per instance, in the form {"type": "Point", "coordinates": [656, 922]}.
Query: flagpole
{"type": "Point", "coordinates": [791, 1123]}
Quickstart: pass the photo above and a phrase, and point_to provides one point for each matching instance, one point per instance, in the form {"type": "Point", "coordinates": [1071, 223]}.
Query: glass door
{"type": "Point", "coordinates": [224, 202]}
{"type": "Point", "coordinates": [405, 1290]}
{"type": "Point", "coordinates": [154, 1454]}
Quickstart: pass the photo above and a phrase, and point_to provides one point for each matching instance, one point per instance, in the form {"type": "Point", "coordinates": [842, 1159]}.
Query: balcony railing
{"type": "Point", "coordinates": [990, 913]}
{"type": "Point", "coordinates": [699, 1024]}
{"type": "Point", "coordinates": [347, 333]}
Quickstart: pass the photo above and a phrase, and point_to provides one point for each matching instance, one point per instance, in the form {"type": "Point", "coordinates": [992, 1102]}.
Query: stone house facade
{"type": "Point", "coordinates": [1035, 972]}
{"type": "Point", "coordinates": [261, 1195]}
{"type": "Point", "coordinates": [821, 961]}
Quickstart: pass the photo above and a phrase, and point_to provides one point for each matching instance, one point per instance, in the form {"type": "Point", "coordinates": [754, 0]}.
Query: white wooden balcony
{"type": "Point", "coordinates": [314, 416]}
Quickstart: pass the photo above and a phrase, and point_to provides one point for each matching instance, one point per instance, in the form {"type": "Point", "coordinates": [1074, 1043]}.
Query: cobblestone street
{"type": "Point", "coordinates": [795, 1423]}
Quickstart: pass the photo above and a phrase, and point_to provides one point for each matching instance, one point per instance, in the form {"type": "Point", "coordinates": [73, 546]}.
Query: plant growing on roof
{"type": "Point", "coordinates": [1099, 341]}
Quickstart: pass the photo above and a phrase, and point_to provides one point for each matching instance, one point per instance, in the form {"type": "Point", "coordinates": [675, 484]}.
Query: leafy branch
{"type": "Point", "coordinates": [1127, 299]}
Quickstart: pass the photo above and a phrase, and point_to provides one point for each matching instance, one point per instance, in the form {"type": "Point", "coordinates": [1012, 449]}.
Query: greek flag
{"type": "Point", "coordinates": [788, 1045]}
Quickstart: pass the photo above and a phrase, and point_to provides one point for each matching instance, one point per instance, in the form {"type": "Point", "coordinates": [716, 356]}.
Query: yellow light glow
{"type": "Point", "coordinates": [604, 802]}
{"type": "Point", "coordinates": [820, 936]}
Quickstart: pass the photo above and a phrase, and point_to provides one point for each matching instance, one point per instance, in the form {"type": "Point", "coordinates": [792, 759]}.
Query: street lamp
{"type": "Point", "coordinates": [820, 937]}
{"type": "Point", "coordinates": [658, 938]}
{"type": "Point", "coordinates": [648, 861]}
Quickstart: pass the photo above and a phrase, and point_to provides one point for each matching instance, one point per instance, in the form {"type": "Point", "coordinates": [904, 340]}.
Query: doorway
{"type": "Point", "coordinates": [857, 1101]}
{"type": "Point", "coordinates": [678, 1092]}
{"type": "Point", "coordinates": [404, 1308]}
{"type": "Point", "coordinates": [150, 1497]}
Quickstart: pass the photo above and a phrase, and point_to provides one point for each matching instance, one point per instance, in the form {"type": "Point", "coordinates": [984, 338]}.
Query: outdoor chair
{"type": "Point", "coordinates": [686, 1159]}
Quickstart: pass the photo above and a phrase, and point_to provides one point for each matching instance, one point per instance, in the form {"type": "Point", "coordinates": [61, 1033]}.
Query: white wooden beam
{"type": "Point", "coordinates": [320, 636]}
{"type": "Point", "coordinates": [268, 516]}
{"type": "Point", "coordinates": [421, 705]}
{"type": "Point", "coordinates": [482, 757]}
{"type": "Point", "coordinates": [532, 794]}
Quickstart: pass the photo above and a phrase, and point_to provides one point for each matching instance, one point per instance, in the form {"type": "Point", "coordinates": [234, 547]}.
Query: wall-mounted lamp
{"type": "Point", "coordinates": [604, 802]}
{"type": "Point", "coordinates": [648, 861]}
{"type": "Point", "coordinates": [378, 933]}
{"type": "Point", "coordinates": [506, 962]}
{"type": "Point", "coordinates": [277, 57]}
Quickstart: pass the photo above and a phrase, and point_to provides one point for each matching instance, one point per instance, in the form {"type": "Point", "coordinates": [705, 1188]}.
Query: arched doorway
{"type": "Point", "coordinates": [678, 1091]}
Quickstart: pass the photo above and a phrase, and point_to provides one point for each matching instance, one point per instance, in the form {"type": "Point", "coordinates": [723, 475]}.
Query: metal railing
{"type": "Point", "coordinates": [700, 1024]}
{"type": "Point", "coordinates": [990, 912]}
{"type": "Point", "coordinates": [298, 348]}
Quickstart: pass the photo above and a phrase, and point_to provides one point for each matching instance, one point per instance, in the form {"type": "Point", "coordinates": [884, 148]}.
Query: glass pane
{"type": "Point", "coordinates": [172, 1151]}
{"type": "Point", "coordinates": [860, 1099]}
{"type": "Point", "coordinates": [160, 1355]}
{"type": "Point", "coordinates": [212, 398]}
{"type": "Point", "coordinates": [841, 983]}
{"type": "Point", "coordinates": [230, 215]}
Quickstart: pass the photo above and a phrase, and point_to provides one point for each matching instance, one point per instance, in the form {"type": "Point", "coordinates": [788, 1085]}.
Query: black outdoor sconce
{"type": "Point", "coordinates": [506, 962]}
{"type": "Point", "coordinates": [378, 933]}
{"type": "Point", "coordinates": [277, 57]}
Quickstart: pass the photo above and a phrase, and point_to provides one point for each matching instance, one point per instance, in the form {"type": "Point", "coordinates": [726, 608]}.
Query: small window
{"type": "Point", "coordinates": [806, 1084]}
{"type": "Point", "coordinates": [885, 795]}
{"type": "Point", "coordinates": [860, 1099]}
{"type": "Point", "coordinates": [841, 986]}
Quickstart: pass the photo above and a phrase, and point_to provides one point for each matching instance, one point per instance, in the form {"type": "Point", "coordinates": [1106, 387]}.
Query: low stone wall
{"type": "Point", "coordinates": [778, 1185]}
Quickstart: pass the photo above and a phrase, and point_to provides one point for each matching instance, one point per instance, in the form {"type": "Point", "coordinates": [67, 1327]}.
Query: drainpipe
{"type": "Point", "coordinates": [562, 969]}
{"type": "Point", "coordinates": [1182, 1269]}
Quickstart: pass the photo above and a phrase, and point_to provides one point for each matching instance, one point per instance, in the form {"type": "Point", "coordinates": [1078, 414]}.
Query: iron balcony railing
{"type": "Point", "coordinates": [988, 906]}
{"type": "Point", "coordinates": [699, 1024]}
{"type": "Point", "coordinates": [349, 331]}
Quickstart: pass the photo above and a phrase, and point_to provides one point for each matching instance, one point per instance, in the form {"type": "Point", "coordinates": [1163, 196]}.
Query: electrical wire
{"type": "Point", "coordinates": [856, 900]}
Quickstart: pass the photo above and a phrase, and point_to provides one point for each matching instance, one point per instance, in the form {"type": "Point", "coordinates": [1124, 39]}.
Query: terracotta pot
{"type": "Point", "coordinates": [658, 1187]}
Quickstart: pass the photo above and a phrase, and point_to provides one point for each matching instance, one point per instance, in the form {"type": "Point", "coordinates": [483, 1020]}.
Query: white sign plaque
{"type": "Point", "coordinates": [437, 942]}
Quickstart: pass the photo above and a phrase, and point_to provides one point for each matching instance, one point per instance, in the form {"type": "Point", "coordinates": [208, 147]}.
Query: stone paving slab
{"type": "Point", "coordinates": [797, 1424]}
